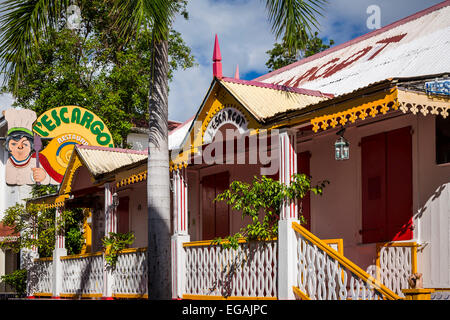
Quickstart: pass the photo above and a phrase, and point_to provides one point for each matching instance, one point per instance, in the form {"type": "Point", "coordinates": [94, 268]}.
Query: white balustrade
{"type": "Point", "coordinates": [40, 276]}
{"type": "Point", "coordinates": [83, 275]}
{"type": "Point", "coordinates": [249, 271]}
{"type": "Point", "coordinates": [395, 266]}
{"type": "Point", "coordinates": [130, 273]}
{"type": "Point", "coordinates": [322, 277]}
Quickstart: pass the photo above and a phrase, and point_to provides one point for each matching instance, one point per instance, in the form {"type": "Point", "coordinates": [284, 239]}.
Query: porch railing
{"type": "Point", "coordinates": [83, 275]}
{"type": "Point", "coordinates": [395, 262]}
{"type": "Point", "coordinates": [130, 274]}
{"type": "Point", "coordinates": [325, 274]}
{"type": "Point", "coordinates": [40, 277]}
{"type": "Point", "coordinates": [248, 272]}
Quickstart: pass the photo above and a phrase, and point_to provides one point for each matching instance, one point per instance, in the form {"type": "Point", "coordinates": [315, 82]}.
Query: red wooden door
{"type": "Point", "coordinates": [124, 215]}
{"type": "Point", "coordinates": [386, 170]}
{"type": "Point", "coordinates": [215, 214]}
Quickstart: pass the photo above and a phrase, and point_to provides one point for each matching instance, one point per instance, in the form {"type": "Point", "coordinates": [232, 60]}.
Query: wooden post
{"type": "Point", "coordinates": [180, 230]}
{"type": "Point", "coordinates": [287, 248]}
{"type": "Point", "coordinates": [60, 251]}
{"type": "Point", "coordinates": [418, 294]}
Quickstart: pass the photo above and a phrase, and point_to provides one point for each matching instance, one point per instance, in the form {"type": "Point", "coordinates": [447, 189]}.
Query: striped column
{"type": "Point", "coordinates": [288, 167]}
{"type": "Point", "coordinates": [180, 230]}
{"type": "Point", "coordinates": [180, 202]}
{"type": "Point", "coordinates": [110, 226]}
{"type": "Point", "coordinates": [60, 251]}
{"type": "Point", "coordinates": [287, 271]}
{"type": "Point", "coordinates": [59, 237]}
{"type": "Point", "coordinates": [110, 210]}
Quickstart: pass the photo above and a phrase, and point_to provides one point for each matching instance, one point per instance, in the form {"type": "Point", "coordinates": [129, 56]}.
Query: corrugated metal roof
{"type": "Point", "coordinates": [264, 101]}
{"type": "Point", "coordinates": [177, 135]}
{"type": "Point", "coordinates": [414, 46]}
{"type": "Point", "coordinates": [100, 160]}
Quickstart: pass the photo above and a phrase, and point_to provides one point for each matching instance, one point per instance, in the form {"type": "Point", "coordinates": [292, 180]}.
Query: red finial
{"type": "Point", "coordinates": [236, 74]}
{"type": "Point", "coordinates": [217, 60]}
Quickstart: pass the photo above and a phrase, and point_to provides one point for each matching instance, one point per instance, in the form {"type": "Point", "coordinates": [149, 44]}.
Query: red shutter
{"type": "Point", "coordinates": [399, 184]}
{"type": "Point", "coordinates": [215, 215]}
{"type": "Point", "coordinates": [124, 215]}
{"type": "Point", "coordinates": [373, 169]}
{"type": "Point", "coordinates": [386, 169]}
{"type": "Point", "coordinates": [303, 167]}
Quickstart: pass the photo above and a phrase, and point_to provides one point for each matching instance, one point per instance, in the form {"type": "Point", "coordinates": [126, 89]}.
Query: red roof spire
{"type": "Point", "coordinates": [217, 60]}
{"type": "Point", "coordinates": [236, 74]}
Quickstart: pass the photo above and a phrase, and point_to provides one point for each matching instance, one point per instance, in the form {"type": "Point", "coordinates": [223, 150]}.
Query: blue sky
{"type": "Point", "coordinates": [245, 36]}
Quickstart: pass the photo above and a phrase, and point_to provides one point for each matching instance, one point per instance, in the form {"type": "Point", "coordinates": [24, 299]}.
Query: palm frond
{"type": "Point", "coordinates": [294, 20]}
{"type": "Point", "coordinates": [21, 24]}
{"type": "Point", "coordinates": [133, 15]}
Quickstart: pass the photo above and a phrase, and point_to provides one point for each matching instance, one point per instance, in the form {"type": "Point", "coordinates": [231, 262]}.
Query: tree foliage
{"type": "Point", "coordinates": [279, 55]}
{"type": "Point", "coordinates": [261, 201]}
{"type": "Point", "coordinates": [95, 67]}
{"type": "Point", "coordinates": [31, 220]}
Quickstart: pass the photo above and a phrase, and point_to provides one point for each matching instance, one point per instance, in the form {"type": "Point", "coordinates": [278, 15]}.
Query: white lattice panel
{"type": "Point", "coordinates": [130, 274]}
{"type": "Point", "coordinates": [83, 275]}
{"type": "Point", "coordinates": [250, 271]}
{"type": "Point", "coordinates": [395, 267]}
{"type": "Point", "coordinates": [322, 277]}
{"type": "Point", "coordinates": [41, 276]}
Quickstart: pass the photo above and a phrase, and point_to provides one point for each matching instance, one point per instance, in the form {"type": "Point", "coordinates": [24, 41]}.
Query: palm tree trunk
{"type": "Point", "coordinates": [158, 180]}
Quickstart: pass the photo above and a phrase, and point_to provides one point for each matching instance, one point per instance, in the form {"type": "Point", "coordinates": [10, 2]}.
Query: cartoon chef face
{"type": "Point", "coordinates": [20, 146]}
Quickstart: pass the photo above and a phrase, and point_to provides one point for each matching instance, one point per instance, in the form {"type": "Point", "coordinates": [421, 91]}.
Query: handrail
{"type": "Point", "coordinates": [360, 273]}
{"type": "Point", "coordinates": [205, 243]}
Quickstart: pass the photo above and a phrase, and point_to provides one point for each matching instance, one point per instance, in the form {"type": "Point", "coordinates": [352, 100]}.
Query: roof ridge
{"type": "Point", "coordinates": [119, 150]}
{"type": "Point", "coordinates": [309, 92]}
{"type": "Point", "coordinates": [363, 37]}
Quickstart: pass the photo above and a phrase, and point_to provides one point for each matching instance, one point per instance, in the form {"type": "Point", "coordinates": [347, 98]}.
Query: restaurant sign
{"type": "Point", "coordinates": [64, 127]}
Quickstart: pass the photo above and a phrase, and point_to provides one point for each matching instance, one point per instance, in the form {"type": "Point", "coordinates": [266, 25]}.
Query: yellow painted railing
{"type": "Point", "coordinates": [385, 292]}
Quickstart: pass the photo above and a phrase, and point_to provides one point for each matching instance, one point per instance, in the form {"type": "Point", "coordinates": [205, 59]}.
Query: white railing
{"type": "Point", "coordinates": [130, 274]}
{"type": "Point", "coordinates": [40, 277]}
{"type": "Point", "coordinates": [396, 261]}
{"type": "Point", "coordinates": [325, 274]}
{"type": "Point", "coordinates": [83, 275]}
{"type": "Point", "coordinates": [249, 271]}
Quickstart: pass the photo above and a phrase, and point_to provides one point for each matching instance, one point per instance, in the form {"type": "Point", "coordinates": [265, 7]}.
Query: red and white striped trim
{"type": "Point", "coordinates": [288, 167]}
{"type": "Point", "coordinates": [180, 197]}
{"type": "Point", "coordinates": [60, 237]}
{"type": "Point", "coordinates": [110, 211]}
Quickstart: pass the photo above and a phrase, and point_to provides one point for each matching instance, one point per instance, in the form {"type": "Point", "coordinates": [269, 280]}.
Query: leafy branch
{"type": "Point", "coordinates": [114, 244]}
{"type": "Point", "coordinates": [261, 201]}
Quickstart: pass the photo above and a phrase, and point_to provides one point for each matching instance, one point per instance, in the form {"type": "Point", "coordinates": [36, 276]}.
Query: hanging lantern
{"type": "Point", "coordinates": [341, 149]}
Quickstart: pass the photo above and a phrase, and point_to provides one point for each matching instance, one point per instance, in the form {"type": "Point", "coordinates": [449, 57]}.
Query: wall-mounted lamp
{"type": "Point", "coordinates": [341, 147]}
{"type": "Point", "coordinates": [115, 200]}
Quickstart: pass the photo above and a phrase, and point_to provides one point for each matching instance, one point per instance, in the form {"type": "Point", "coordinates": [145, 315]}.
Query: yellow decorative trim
{"type": "Point", "coordinates": [206, 297]}
{"type": "Point", "coordinates": [205, 243]}
{"type": "Point", "coordinates": [84, 295]}
{"type": "Point", "coordinates": [70, 174]}
{"type": "Point", "coordinates": [415, 102]}
{"type": "Point", "coordinates": [300, 294]}
{"type": "Point", "coordinates": [42, 294]}
{"type": "Point", "coordinates": [81, 256]}
{"type": "Point", "coordinates": [338, 242]}
{"type": "Point", "coordinates": [134, 178]}
{"type": "Point", "coordinates": [130, 296]}
{"type": "Point", "coordinates": [369, 108]}
{"type": "Point", "coordinates": [43, 259]}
